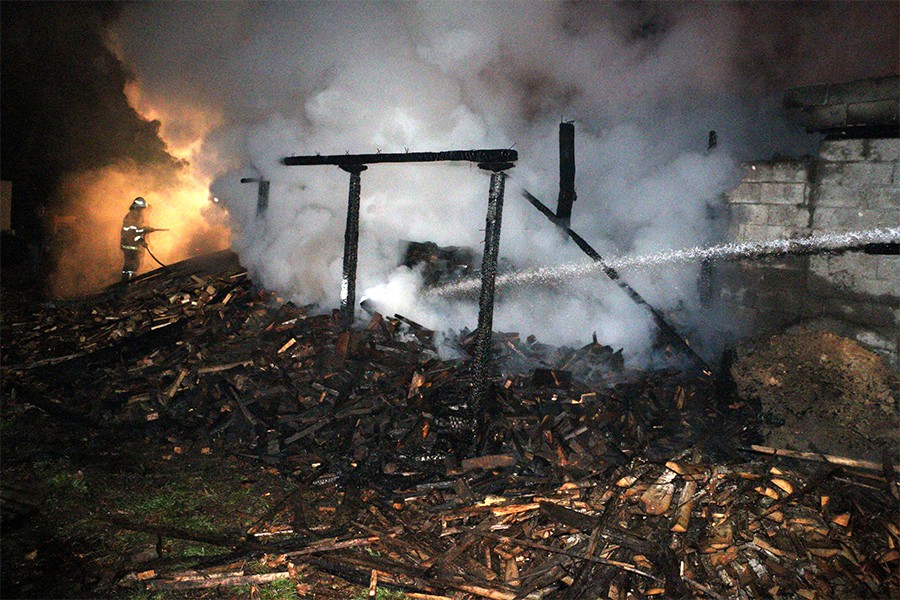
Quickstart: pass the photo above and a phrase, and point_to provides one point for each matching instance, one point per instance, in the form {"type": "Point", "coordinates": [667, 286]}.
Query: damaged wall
{"type": "Point", "coordinates": [850, 185]}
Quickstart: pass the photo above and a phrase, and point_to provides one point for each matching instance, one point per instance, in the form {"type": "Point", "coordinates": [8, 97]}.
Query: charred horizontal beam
{"type": "Point", "coordinates": [342, 160]}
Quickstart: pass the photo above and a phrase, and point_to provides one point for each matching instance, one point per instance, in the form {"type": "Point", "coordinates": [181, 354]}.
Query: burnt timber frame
{"type": "Point", "coordinates": [262, 198]}
{"type": "Point", "coordinates": [567, 195]}
{"type": "Point", "coordinates": [667, 330]}
{"type": "Point", "coordinates": [497, 162]}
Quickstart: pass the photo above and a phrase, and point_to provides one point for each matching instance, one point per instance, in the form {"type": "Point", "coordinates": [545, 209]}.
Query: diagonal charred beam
{"type": "Point", "coordinates": [475, 156]}
{"type": "Point", "coordinates": [667, 330]}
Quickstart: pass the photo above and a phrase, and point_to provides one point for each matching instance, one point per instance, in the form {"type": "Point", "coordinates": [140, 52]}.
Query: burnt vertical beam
{"type": "Point", "coordinates": [567, 194]}
{"type": "Point", "coordinates": [262, 200]}
{"type": "Point", "coordinates": [262, 194]}
{"type": "Point", "coordinates": [493, 220]}
{"type": "Point", "coordinates": [351, 245]}
{"type": "Point", "coordinates": [704, 283]}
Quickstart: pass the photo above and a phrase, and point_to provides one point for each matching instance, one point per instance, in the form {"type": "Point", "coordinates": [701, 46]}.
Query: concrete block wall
{"type": "Point", "coordinates": [852, 104]}
{"type": "Point", "coordinates": [851, 185]}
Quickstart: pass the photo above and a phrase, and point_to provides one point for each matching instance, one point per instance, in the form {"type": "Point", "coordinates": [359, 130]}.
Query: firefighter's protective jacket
{"type": "Point", "coordinates": [133, 230]}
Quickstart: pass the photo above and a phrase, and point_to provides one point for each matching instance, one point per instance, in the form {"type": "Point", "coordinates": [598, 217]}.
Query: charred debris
{"type": "Point", "coordinates": [588, 479]}
{"type": "Point", "coordinates": [517, 470]}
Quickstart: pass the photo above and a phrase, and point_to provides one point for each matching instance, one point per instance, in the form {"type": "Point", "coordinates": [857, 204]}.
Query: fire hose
{"type": "Point", "coordinates": [150, 252]}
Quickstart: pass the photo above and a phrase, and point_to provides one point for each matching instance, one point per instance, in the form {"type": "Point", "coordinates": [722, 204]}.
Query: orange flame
{"type": "Point", "coordinates": [86, 250]}
{"type": "Point", "coordinates": [88, 254]}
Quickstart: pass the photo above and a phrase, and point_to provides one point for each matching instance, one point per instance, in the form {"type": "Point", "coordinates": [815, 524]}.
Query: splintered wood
{"type": "Point", "coordinates": [591, 480]}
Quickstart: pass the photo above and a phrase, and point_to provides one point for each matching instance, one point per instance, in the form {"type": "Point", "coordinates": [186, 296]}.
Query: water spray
{"type": "Point", "coordinates": [816, 244]}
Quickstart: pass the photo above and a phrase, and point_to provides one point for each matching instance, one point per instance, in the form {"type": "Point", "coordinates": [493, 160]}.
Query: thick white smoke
{"type": "Point", "coordinates": [643, 82]}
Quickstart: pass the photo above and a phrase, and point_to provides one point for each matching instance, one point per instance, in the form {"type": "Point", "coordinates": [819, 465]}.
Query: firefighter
{"type": "Point", "coordinates": [133, 242]}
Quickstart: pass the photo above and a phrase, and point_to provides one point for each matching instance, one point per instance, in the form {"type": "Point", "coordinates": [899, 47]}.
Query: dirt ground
{"type": "Point", "coordinates": [821, 392]}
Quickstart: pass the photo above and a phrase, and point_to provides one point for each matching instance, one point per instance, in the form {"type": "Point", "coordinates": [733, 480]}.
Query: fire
{"type": "Point", "coordinates": [87, 251]}
{"type": "Point", "coordinates": [183, 126]}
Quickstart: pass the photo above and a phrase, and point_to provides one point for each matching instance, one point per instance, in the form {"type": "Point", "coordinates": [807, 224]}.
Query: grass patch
{"type": "Point", "coordinates": [281, 589]}
{"type": "Point", "coordinates": [61, 476]}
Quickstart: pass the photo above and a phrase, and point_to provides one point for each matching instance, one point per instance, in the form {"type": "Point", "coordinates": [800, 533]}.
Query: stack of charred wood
{"type": "Point", "coordinates": [591, 480]}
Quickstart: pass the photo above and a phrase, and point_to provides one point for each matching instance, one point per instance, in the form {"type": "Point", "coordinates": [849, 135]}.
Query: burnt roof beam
{"type": "Point", "coordinates": [344, 160]}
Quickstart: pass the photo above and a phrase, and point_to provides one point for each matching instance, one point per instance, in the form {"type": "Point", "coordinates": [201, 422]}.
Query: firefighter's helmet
{"type": "Point", "coordinates": [139, 203]}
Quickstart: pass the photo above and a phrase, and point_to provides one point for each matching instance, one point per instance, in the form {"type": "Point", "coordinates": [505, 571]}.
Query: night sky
{"type": "Point", "coordinates": [63, 107]}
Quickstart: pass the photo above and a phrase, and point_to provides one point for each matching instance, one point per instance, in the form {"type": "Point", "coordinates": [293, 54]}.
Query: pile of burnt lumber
{"type": "Point", "coordinates": [587, 479]}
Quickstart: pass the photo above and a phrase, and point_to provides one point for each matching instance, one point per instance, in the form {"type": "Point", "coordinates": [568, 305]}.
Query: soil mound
{"type": "Point", "coordinates": [821, 392]}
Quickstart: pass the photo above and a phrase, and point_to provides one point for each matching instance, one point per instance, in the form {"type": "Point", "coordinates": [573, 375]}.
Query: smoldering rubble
{"type": "Point", "coordinates": [587, 478]}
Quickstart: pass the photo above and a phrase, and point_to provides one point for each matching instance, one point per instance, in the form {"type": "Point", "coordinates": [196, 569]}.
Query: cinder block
{"type": "Point", "coordinates": [867, 173]}
{"type": "Point", "coordinates": [781, 232]}
{"type": "Point", "coordinates": [875, 218]}
{"type": "Point", "coordinates": [829, 219]}
{"type": "Point", "coordinates": [838, 196]}
{"type": "Point", "coordinates": [817, 118]}
{"type": "Point", "coordinates": [882, 150]}
{"type": "Point", "coordinates": [830, 173]}
{"type": "Point", "coordinates": [818, 265]}
{"type": "Point", "coordinates": [881, 197]}
{"type": "Point", "coordinates": [750, 233]}
{"type": "Point", "coordinates": [888, 269]}
{"type": "Point", "coordinates": [857, 150]}
{"type": "Point", "coordinates": [753, 214]}
{"type": "Point", "coordinates": [863, 90]}
{"type": "Point", "coordinates": [754, 171]}
{"type": "Point", "coordinates": [841, 150]}
{"type": "Point", "coordinates": [790, 171]}
{"type": "Point", "coordinates": [842, 281]}
{"type": "Point", "coordinates": [789, 216]}
{"type": "Point", "coordinates": [744, 192]}
{"type": "Point", "coordinates": [848, 219]}
{"type": "Point", "coordinates": [858, 264]}
{"type": "Point", "coordinates": [782, 171]}
{"type": "Point", "coordinates": [782, 193]}
{"type": "Point", "coordinates": [876, 112]}
{"type": "Point", "coordinates": [876, 287]}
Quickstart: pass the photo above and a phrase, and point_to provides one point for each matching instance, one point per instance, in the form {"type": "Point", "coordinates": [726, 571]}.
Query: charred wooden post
{"type": "Point", "coordinates": [704, 279]}
{"type": "Point", "coordinates": [704, 283]}
{"type": "Point", "coordinates": [486, 298]}
{"type": "Point", "coordinates": [567, 194]}
{"type": "Point", "coordinates": [262, 198]}
{"type": "Point", "coordinates": [667, 330]}
{"type": "Point", "coordinates": [262, 201]}
{"type": "Point", "coordinates": [351, 244]}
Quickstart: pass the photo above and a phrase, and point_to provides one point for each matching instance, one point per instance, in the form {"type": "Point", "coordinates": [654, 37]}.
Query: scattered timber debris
{"type": "Point", "coordinates": [592, 480]}
{"type": "Point", "coordinates": [440, 265]}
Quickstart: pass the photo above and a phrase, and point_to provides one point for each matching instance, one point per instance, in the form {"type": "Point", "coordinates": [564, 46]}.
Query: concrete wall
{"type": "Point", "coordinates": [850, 105]}
{"type": "Point", "coordinates": [853, 184]}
